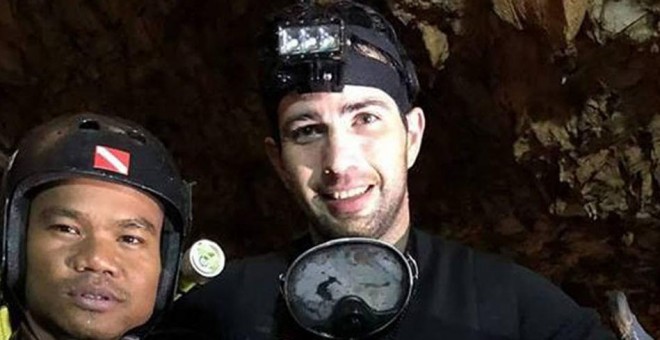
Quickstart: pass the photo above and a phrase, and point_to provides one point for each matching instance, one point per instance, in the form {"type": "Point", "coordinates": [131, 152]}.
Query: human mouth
{"type": "Point", "coordinates": [346, 194]}
{"type": "Point", "coordinates": [95, 299]}
{"type": "Point", "coordinates": [347, 201]}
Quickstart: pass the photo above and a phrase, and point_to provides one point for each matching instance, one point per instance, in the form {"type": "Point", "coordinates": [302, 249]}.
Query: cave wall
{"type": "Point", "coordinates": [543, 125]}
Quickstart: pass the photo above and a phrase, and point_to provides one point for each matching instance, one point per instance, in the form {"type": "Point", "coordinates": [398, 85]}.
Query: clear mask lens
{"type": "Point", "coordinates": [348, 288]}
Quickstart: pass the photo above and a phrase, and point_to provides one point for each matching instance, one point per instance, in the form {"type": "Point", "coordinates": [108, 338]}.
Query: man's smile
{"type": "Point", "coordinates": [346, 193]}
{"type": "Point", "coordinates": [347, 201]}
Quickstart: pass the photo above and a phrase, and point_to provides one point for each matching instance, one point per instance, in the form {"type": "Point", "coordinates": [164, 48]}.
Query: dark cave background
{"type": "Point", "coordinates": [543, 121]}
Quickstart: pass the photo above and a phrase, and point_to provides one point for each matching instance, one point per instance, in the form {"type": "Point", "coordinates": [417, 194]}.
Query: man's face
{"type": "Point", "coordinates": [345, 157]}
{"type": "Point", "coordinates": [93, 259]}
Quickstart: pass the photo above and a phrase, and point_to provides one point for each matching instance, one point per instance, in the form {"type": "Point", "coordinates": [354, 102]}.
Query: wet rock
{"type": "Point", "coordinates": [436, 44]}
{"type": "Point", "coordinates": [534, 128]}
{"type": "Point", "coordinates": [634, 19]}
{"type": "Point", "coordinates": [559, 20]}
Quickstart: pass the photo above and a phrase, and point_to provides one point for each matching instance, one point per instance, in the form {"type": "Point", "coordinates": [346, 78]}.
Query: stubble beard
{"type": "Point", "coordinates": [375, 225]}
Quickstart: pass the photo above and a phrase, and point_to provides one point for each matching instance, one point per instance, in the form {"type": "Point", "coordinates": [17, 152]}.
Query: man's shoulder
{"type": "Point", "coordinates": [268, 263]}
{"type": "Point", "coordinates": [456, 256]}
{"type": "Point", "coordinates": [484, 271]}
{"type": "Point", "coordinates": [507, 299]}
{"type": "Point", "coordinates": [244, 294]}
{"type": "Point", "coordinates": [250, 273]}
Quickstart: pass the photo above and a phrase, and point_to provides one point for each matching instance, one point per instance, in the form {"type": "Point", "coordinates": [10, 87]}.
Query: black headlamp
{"type": "Point", "coordinates": [311, 54]}
{"type": "Point", "coordinates": [322, 48]}
{"type": "Point", "coordinates": [304, 41]}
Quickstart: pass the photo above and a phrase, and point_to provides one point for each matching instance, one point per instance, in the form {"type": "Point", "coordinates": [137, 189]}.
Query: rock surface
{"type": "Point", "coordinates": [543, 136]}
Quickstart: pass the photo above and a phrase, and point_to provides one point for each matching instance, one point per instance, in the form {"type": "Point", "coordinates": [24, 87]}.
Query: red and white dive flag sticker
{"type": "Point", "coordinates": [114, 160]}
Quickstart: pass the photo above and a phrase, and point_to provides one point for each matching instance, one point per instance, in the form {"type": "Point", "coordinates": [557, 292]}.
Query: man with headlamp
{"type": "Point", "coordinates": [94, 215]}
{"type": "Point", "coordinates": [338, 88]}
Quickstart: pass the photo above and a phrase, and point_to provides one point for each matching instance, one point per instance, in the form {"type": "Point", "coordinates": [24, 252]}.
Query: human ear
{"type": "Point", "coordinates": [416, 124]}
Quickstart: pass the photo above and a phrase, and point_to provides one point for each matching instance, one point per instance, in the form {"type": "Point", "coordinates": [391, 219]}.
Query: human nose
{"type": "Point", "coordinates": [96, 255]}
{"type": "Point", "coordinates": [340, 155]}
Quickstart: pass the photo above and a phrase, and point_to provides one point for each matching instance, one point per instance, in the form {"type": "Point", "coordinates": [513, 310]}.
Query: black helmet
{"type": "Point", "coordinates": [309, 47]}
{"type": "Point", "coordinates": [100, 147]}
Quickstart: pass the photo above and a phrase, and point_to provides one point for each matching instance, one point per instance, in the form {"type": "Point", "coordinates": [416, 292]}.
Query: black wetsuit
{"type": "Point", "coordinates": [460, 294]}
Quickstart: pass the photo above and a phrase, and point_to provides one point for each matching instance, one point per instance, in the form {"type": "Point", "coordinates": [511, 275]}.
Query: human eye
{"type": "Point", "coordinates": [365, 118]}
{"type": "Point", "coordinates": [307, 133]}
{"type": "Point", "coordinates": [131, 239]}
{"type": "Point", "coordinates": [64, 229]}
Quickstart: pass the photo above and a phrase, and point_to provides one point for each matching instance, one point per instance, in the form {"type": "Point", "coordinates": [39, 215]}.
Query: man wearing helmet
{"type": "Point", "coordinates": [339, 91]}
{"type": "Point", "coordinates": [94, 215]}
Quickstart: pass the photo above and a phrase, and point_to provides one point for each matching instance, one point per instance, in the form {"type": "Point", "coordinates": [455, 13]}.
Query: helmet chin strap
{"type": "Point", "coordinates": [26, 322]}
